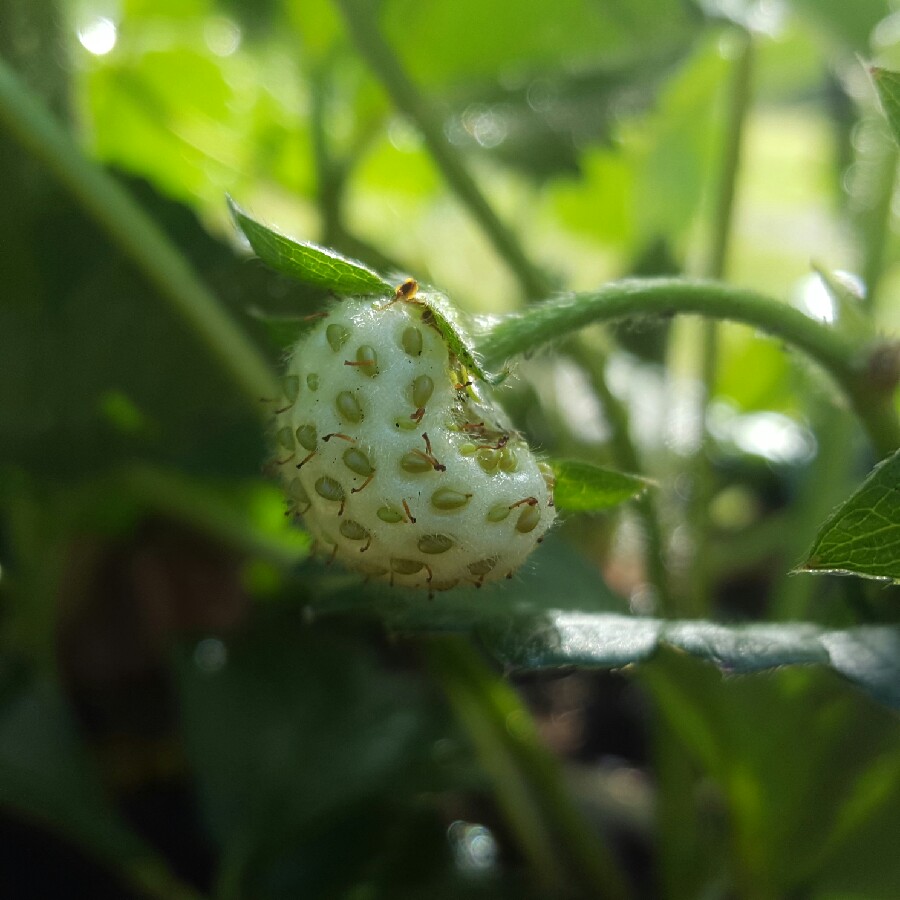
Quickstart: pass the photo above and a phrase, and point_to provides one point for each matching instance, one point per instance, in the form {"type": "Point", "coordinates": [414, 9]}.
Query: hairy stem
{"type": "Point", "coordinates": [363, 28]}
{"type": "Point", "coordinates": [562, 847]}
{"type": "Point", "coordinates": [138, 237]}
{"type": "Point", "coordinates": [842, 357]}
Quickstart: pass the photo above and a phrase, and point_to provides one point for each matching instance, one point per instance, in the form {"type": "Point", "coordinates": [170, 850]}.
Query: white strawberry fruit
{"type": "Point", "coordinates": [395, 454]}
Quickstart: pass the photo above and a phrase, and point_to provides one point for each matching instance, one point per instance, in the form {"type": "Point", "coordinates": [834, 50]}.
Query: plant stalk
{"type": "Point", "coordinates": [561, 845]}
{"type": "Point", "coordinates": [842, 357]}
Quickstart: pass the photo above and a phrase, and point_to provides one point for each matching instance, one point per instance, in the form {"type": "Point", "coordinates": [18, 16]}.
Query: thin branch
{"type": "Point", "coordinates": [562, 846]}
{"type": "Point", "coordinates": [842, 357]}
{"type": "Point", "coordinates": [138, 237]}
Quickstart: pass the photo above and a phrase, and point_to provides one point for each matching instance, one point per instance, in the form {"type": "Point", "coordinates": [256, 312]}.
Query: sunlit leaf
{"type": "Point", "coordinates": [845, 25]}
{"type": "Point", "coordinates": [308, 262]}
{"type": "Point", "coordinates": [583, 487]}
{"type": "Point", "coordinates": [868, 656]}
{"type": "Point", "coordinates": [862, 537]}
{"type": "Point", "coordinates": [469, 41]}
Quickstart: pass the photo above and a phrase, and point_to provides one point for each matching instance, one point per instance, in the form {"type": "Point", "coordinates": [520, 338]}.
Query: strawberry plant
{"type": "Point", "coordinates": [532, 531]}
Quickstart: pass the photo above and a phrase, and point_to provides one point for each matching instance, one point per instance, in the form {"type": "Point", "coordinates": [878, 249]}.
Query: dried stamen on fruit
{"type": "Point", "coordinates": [407, 290]}
{"type": "Point", "coordinates": [357, 461]}
{"type": "Point", "coordinates": [430, 454]}
{"type": "Point", "coordinates": [389, 514]}
{"type": "Point", "coordinates": [416, 462]}
{"type": "Point", "coordinates": [353, 531]}
{"type": "Point", "coordinates": [329, 489]}
{"type": "Point", "coordinates": [290, 386]}
{"type": "Point", "coordinates": [307, 436]}
{"type": "Point", "coordinates": [366, 360]}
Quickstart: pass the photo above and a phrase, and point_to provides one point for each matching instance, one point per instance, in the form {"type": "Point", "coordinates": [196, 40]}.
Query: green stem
{"type": "Point", "coordinates": [135, 234]}
{"type": "Point", "coordinates": [363, 28]}
{"type": "Point", "coordinates": [699, 597]}
{"type": "Point", "coordinates": [841, 356]}
{"type": "Point", "coordinates": [527, 779]}
{"type": "Point", "coordinates": [876, 221]}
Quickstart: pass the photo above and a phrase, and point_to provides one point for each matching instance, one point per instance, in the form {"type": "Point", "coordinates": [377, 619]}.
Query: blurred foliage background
{"type": "Point", "coordinates": [191, 706]}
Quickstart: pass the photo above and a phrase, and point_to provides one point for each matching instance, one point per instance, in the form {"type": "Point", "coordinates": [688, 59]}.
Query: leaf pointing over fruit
{"type": "Point", "coordinates": [308, 262]}
{"type": "Point", "coordinates": [862, 537]}
{"type": "Point", "coordinates": [582, 487]}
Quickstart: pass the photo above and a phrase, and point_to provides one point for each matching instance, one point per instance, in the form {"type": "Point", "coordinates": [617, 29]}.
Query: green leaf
{"type": "Point", "coordinates": [868, 656]}
{"type": "Point", "coordinates": [470, 41]}
{"type": "Point", "coordinates": [862, 537]}
{"type": "Point", "coordinates": [887, 84]}
{"type": "Point", "coordinates": [583, 487]}
{"type": "Point", "coordinates": [308, 262]}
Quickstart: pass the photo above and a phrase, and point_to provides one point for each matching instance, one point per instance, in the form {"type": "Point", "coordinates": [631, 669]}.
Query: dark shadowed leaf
{"type": "Point", "coordinates": [308, 262]}
{"type": "Point", "coordinates": [48, 777]}
{"type": "Point", "coordinates": [862, 537]}
{"type": "Point", "coordinates": [583, 487]}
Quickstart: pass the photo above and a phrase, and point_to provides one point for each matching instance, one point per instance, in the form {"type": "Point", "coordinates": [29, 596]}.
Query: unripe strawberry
{"type": "Point", "coordinates": [402, 465]}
